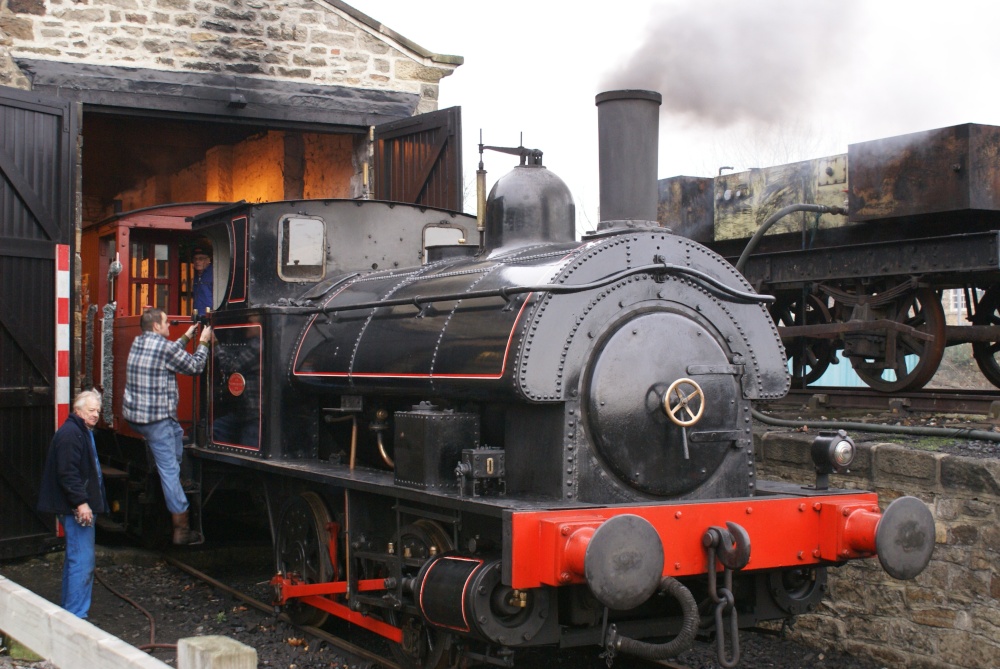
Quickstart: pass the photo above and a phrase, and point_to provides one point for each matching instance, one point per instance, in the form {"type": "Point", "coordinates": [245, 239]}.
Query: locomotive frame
{"type": "Point", "coordinates": [476, 449]}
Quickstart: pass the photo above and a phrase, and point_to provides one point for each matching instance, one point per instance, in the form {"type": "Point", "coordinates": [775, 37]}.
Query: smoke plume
{"type": "Point", "coordinates": [719, 62]}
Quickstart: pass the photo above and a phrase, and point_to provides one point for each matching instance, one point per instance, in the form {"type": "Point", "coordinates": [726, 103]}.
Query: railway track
{"type": "Point", "coordinates": [984, 403]}
{"type": "Point", "coordinates": [354, 654]}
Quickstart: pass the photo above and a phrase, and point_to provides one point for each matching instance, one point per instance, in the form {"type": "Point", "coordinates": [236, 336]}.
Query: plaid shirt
{"type": "Point", "coordinates": [150, 376]}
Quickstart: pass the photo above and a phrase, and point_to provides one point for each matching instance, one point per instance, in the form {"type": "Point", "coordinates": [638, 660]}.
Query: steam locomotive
{"type": "Point", "coordinates": [472, 449]}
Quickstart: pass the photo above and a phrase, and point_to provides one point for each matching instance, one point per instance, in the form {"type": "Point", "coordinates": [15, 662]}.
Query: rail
{"type": "Point", "coordinates": [260, 606]}
{"type": "Point", "coordinates": [827, 398]}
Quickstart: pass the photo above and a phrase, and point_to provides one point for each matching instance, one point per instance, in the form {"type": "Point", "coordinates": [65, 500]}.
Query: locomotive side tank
{"type": "Point", "coordinates": [565, 328]}
{"type": "Point", "coordinates": [520, 443]}
{"type": "Point", "coordinates": [590, 334]}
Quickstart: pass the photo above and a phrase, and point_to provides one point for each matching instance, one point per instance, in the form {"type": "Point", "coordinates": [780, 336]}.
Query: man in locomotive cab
{"type": "Point", "coordinates": [203, 282]}
{"type": "Point", "coordinates": [150, 405]}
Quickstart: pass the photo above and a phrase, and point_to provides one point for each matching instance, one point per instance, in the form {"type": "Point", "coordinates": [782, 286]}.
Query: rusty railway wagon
{"type": "Point", "coordinates": [859, 269]}
{"type": "Point", "coordinates": [472, 449]}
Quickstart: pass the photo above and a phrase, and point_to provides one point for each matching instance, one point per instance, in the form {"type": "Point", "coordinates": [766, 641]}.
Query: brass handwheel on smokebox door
{"type": "Point", "coordinates": [684, 403]}
{"type": "Point", "coordinates": [681, 396]}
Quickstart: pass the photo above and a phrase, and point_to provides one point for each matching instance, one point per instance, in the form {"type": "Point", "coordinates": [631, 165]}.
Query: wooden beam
{"type": "Point", "coordinates": [62, 638]}
{"type": "Point", "coordinates": [215, 652]}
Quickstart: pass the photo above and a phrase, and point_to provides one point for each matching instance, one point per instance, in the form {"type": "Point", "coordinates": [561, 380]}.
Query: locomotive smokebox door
{"type": "Point", "coordinates": [428, 446]}
{"type": "Point", "coordinates": [628, 383]}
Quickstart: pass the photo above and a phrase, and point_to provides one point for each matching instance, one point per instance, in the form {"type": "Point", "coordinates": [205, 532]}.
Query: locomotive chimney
{"type": "Point", "coordinates": [628, 134]}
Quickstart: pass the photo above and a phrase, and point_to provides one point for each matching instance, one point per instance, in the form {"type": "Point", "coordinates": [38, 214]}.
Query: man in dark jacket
{"type": "Point", "coordinates": [73, 489]}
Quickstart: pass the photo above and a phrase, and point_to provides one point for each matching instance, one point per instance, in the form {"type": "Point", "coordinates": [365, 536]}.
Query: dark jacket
{"type": "Point", "coordinates": [71, 477]}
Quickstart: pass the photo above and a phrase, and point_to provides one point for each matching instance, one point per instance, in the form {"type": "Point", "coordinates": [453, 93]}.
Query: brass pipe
{"type": "Point", "coordinates": [381, 451]}
{"type": "Point", "coordinates": [354, 441]}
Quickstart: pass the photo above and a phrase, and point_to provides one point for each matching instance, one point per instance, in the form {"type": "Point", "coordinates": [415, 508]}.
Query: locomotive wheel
{"type": "Point", "coordinates": [985, 353]}
{"type": "Point", "coordinates": [302, 549]}
{"type": "Point", "coordinates": [423, 538]}
{"type": "Point", "coordinates": [920, 309]}
{"type": "Point", "coordinates": [423, 647]}
{"type": "Point", "coordinates": [810, 357]}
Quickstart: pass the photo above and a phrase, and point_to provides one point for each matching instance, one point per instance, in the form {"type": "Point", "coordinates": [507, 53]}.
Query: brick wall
{"type": "Point", "coordinates": [298, 40]}
{"type": "Point", "coordinates": [949, 616]}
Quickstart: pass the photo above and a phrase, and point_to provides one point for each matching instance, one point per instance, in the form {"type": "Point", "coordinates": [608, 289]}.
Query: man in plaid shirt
{"type": "Point", "coordinates": [150, 405]}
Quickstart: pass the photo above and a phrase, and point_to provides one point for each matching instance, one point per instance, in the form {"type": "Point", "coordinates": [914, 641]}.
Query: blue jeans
{"type": "Point", "coordinates": [166, 441]}
{"type": "Point", "coordinates": [78, 567]}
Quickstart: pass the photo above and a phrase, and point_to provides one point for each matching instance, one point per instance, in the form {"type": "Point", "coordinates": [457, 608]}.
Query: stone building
{"type": "Point", "coordinates": [206, 100]}
{"type": "Point", "coordinates": [109, 106]}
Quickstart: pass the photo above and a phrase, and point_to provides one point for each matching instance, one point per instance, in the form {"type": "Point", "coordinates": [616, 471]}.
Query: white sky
{"type": "Point", "coordinates": [745, 84]}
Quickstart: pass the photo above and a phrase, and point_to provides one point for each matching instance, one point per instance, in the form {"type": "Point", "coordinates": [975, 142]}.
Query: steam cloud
{"type": "Point", "coordinates": [719, 62]}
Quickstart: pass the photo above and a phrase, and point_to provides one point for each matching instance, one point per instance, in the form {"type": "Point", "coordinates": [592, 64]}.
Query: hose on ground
{"type": "Point", "coordinates": [152, 645]}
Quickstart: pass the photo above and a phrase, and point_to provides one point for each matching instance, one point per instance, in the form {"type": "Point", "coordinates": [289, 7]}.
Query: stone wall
{"type": "Point", "coordinates": [949, 616]}
{"type": "Point", "coordinates": [319, 41]}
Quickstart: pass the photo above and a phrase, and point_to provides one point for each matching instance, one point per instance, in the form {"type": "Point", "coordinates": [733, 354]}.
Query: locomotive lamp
{"type": "Point", "coordinates": [831, 452]}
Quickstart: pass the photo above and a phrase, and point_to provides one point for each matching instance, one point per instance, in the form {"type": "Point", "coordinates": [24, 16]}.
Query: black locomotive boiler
{"type": "Point", "coordinates": [479, 448]}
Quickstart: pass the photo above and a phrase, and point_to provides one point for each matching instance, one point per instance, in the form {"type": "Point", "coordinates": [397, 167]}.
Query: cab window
{"type": "Point", "coordinates": [150, 276]}
{"type": "Point", "coordinates": [302, 248]}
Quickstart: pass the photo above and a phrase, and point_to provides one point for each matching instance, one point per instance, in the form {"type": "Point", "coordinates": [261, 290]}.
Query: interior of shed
{"type": "Point", "coordinates": [131, 162]}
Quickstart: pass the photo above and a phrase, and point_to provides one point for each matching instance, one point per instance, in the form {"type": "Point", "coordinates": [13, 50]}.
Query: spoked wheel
{"type": "Point", "coordinates": [810, 357]}
{"type": "Point", "coordinates": [302, 550]}
{"type": "Point", "coordinates": [986, 352]}
{"type": "Point", "coordinates": [423, 647]}
{"type": "Point", "coordinates": [921, 310]}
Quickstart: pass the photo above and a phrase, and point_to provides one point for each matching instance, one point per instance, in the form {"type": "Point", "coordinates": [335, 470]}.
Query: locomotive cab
{"type": "Point", "coordinates": [133, 261]}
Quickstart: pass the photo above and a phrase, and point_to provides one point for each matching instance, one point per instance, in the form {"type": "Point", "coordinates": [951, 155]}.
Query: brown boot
{"type": "Point", "coordinates": [183, 534]}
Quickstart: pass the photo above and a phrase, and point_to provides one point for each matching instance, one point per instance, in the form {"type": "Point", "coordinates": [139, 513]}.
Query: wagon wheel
{"type": "Point", "coordinates": [302, 549]}
{"type": "Point", "coordinates": [810, 357]}
{"type": "Point", "coordinates": [920, 309]}
{"type": "Point", "coordinates": [986, 352]}
{"type": "Point", "coordinates": [423, 647]}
